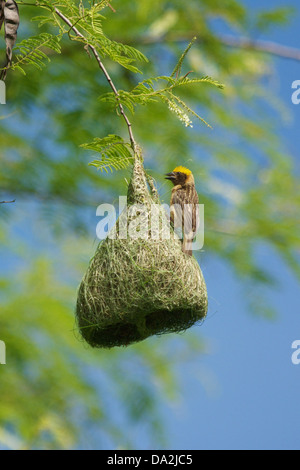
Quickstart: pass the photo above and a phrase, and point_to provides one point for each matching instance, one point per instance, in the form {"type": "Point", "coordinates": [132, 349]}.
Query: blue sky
{"type": "Point", "coordinates": [244, 394]}
{"type": "Point", "coordinates": [253, 388]}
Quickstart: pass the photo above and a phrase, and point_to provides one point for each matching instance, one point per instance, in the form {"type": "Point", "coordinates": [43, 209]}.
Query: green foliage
{"type": "Point", "coordinates": [279, 16]}
{"type": "Point", "coordinates": [31, 51]}
{"type": "Point", "coordinates": [178, 67]}
{"type": "Point", "coordinates": [89, 30]}
{"type": "Point", "coordinates": [145, 93]}
{"type": "Point", "coordinates": [89, 22]}
{"type": "Point", "coordinates": [116, 154]}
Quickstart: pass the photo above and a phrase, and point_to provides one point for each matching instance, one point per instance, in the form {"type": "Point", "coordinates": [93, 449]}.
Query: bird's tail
{"type": "Point", "coordinates": [187, 247]}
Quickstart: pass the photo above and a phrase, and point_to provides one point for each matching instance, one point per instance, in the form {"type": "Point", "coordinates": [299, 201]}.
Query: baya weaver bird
{"type": "Point", "coordinates": [184, 205]}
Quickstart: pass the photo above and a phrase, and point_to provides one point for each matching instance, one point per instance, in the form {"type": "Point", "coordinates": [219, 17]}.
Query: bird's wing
{"type": "Point", "coordinates": [196, 215]}
{"type": "Point", "coordinates": [177, 201]}
{"type": "Point", "coordinates": [184, 211]}
{"type": "Point", "coordinates": [191, 213]}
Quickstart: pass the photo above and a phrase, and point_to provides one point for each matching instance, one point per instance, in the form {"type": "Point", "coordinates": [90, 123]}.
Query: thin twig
{"type": "Point", "coordinates": [7, 202]}
{"type": "Point", "coordinates": [191, 71]}
{"type": "Point", "coordinates": [106, 74]}
{"type": "Point", "coordinates": [112, 9]}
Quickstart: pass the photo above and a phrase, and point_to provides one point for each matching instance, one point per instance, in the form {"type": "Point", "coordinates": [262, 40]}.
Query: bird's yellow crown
{"type": "Point", "coordinates": [182, 169]}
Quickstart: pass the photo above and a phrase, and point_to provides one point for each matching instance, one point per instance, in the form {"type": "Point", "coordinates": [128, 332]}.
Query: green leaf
{"type": "Point", "coordinates": [178, 66]}
{"type": "Point", "coordinates": [278, 16]}
{"type": "Point", "coordinates": [32, 51]}
{"type": "Point", "coordinates": [115, 153]}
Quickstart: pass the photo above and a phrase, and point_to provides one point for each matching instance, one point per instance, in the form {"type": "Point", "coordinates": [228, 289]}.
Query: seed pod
{"type": "Point", "coordinates": [9, 15]}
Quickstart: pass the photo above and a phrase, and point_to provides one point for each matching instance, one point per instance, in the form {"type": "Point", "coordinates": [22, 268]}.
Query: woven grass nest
{"type": "Point", "coordinates": [136, 288]}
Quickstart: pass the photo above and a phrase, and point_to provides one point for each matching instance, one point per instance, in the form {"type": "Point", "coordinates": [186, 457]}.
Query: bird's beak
{"type": "Point", "coordinates": [170, 176]}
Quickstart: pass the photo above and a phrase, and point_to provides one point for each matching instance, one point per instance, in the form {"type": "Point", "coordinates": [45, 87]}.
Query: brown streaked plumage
{"type": "Point", "coordinates": [184, 205]}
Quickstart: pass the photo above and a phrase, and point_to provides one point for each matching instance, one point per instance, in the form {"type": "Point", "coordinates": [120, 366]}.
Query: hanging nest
{"type": "Point", "coordinates": [138, 287]}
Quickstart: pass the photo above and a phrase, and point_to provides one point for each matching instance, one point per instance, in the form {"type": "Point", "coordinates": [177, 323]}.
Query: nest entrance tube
{"type": "Point", "coordinates": [138, 287]}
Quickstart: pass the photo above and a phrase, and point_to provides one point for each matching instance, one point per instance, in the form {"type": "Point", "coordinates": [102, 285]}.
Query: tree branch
{"type": "Point", "coordinates": [269, 47]}
{"type": "Point", "coordinates": [106, 74]}
{"type": "Point", "coordinates": [7, 202]}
